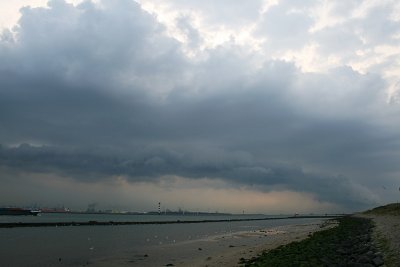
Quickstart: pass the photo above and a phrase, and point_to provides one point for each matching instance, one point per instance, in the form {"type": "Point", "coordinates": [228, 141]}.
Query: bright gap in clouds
{"type": "Point", "coordinates": [185, 23]}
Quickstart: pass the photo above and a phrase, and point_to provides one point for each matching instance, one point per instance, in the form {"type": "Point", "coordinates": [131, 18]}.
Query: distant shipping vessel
{"type": "Point", "coordinates": [18, 211]}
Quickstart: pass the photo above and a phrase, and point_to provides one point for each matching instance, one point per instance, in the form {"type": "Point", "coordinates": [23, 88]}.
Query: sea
{"type": "Point", "coordinates": [82, 245]}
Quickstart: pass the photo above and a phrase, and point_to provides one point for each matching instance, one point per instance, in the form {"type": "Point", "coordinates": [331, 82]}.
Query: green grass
{"type": "Point", "coordinates": [390, 209]}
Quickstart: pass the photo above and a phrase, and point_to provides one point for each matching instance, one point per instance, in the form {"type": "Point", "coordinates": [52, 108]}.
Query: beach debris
{"type": "Point", "coordinates": [170, 264]}
{"type": "Point", "coordinates": [231, 246]}
{"type": "Point", "coordinates": [145, 255]}
{"type": "Point", "coordinates": [59, 259]}
{"type": "Point", "coordinates": [200, 249]}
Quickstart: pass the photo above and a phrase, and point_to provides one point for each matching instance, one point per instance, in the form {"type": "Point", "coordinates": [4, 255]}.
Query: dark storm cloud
{"type": "Point", "coordinates": [103, 91]}
{"type": "Point", "coordinates": [151, 163]}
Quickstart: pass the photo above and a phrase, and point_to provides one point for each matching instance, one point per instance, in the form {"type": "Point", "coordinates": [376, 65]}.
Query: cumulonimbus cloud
{"type": "Point", "coordinates": [104, 90]}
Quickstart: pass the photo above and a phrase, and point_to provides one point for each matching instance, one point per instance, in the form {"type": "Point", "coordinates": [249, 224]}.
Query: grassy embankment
{"type": "Point", "coordinates": [390, 209]}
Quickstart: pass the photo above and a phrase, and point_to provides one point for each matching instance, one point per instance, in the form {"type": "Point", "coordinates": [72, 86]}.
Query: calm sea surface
{"type": "Point", "coordinates": [79, 245]}
{"type": "Point", "coordinates": [76, 217]}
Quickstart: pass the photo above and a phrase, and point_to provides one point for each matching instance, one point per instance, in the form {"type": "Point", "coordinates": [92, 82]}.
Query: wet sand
{"type": "Point", "coordinates": [218, 250]}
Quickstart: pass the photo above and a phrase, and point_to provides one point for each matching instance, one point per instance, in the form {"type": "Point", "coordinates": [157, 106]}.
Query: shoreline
{"type": "Point", "coordinates": [218, 250]}
{"type": "Point", "coordinates": [359, 239]}
{"type": "Point", "coordinates": [351, 243]}
{"type": "Point", "coordinates": [109, 223]}
{"type": "Point", "coordinates": [271, 238]}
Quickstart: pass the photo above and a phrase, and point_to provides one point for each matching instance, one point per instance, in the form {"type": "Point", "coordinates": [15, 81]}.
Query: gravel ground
{"type": "Point", "coordinates": [387, 237]}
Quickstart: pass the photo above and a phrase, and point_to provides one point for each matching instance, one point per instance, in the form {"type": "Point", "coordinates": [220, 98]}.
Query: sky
{"type": "Point", "coordinates": [262, 106]}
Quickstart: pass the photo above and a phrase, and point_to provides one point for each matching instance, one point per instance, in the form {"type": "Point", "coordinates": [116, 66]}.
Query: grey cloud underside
{"type": "Point", "coordinates": [251, 138]}
{"type": "Point", "coordinates": [109, 93]}
{"type": "Point", "coordinates": [151, 163]}
{"type": "Point", "coordinates": [258, 120]}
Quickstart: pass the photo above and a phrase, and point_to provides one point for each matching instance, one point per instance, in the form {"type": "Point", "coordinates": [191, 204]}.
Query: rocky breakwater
{"type": "Point", "coordinates": [348, 244]}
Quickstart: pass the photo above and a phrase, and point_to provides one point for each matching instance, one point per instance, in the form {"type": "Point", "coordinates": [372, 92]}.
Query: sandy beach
{"type": "Point", "coordinates": [218, 250]}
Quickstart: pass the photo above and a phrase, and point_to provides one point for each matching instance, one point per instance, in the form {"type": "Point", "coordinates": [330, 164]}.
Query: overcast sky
{"type": "Point", "coordinates": [268, 106]}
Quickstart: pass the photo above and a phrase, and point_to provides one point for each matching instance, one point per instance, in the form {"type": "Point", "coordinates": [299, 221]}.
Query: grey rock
{"type": "Point", "coordinates": [369, 253]}
{"type": "Point", "coordinates": [355, 264]}
{"type": "Point", "coordinates": [378, 261]}
{"type": "Point", "coordinates": [363, 259]}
